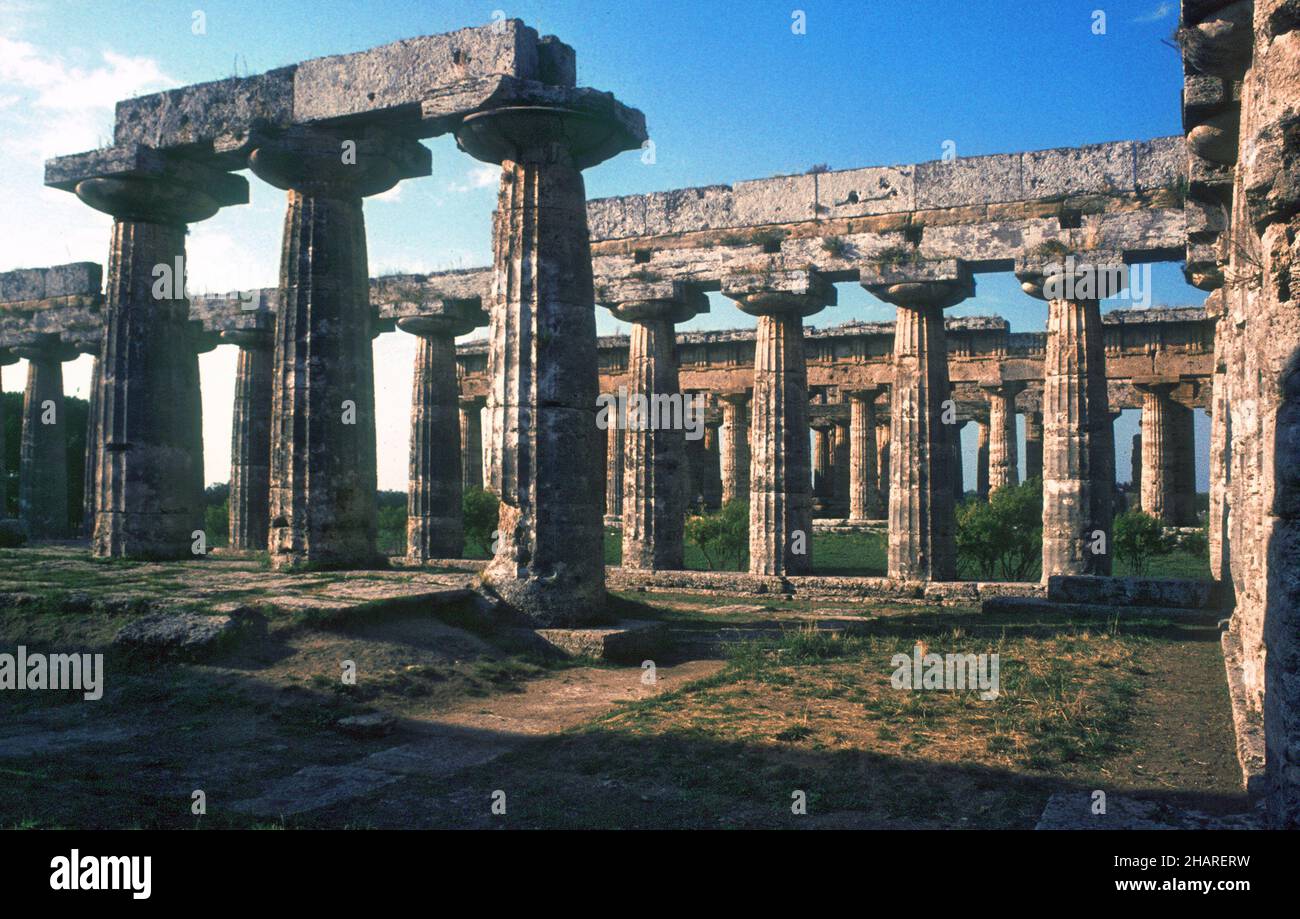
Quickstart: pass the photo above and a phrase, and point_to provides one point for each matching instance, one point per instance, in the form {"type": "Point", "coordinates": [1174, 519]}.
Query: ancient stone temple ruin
{"type": "Point", "coordinates": [802, 416]}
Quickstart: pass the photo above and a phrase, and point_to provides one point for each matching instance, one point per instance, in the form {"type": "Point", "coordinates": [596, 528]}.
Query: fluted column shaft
{"type": "Point", "coordinates": [654, 495]}
{"type": "Point", "coordinates": [1078, 442]}
{"type": "Point", "coordinates": [1003, 452]}
{"type": "Point", "coordinates": [614, 458]}
{"type": "Point", "coordinates": [840, 468]}
{"type": "Point", "coordinates": [958, 468]}
{"type": "Point", "coordinates": [921, 545]}
{"type": "Point", "coordinates": [883, 437]}
{"type": "Point", "coordinates": [250, 446]}
{"type": "Point", "coordinates": [549, 562]}
{"type": "Point", "coordinates": [434, 518]}
{"type": "Point", "coordinates": [88, 475]}
{"type": "Point", "coordinates": [823, 458]}
{"type": "Point", "coordinates": [982, 459]}
{"type": "Point", "coordinates": [471, 444]}
{"type": "Point", "coordinates": [1034, 445]}
{"type": "Point", "coordinates": [1158, 456]}
{"type": "Point", "coordinates": [780, 503]}
{"type": "Point", "coordinates": [733, 443]}
{"type": "Point", "coordinates": [712, 467]}
{"type": "Point", "coordinates": [43, 458]}
{"type": "Point", "coordinates": [864, 483]}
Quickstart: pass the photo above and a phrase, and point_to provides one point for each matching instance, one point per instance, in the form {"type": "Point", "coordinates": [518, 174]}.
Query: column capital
{"type": "Point", "coordinates": [551, 124]}
{"type": "Point", "coordinates": [767, 291]}
{"type": "Point", "coordinates": [445, 318]}
{"type": "Point", "coordinates": [821, 423]}
{"type": "Point", "coordinates": [866, 393]}
{"type": "Point", "coordinates": [1157, 386]}
{"type": "Point", "coordinates": [940, 282]}
{"type": "Point", "coordinates": [46, 349]}
{"type": "Point", "coordinates": [1008, 389]}
{"type": "Point", "coordinates": [470, 403]}
{"type": "Point", "coordinates": [356, 162]}
{"type": "Point", "coordinates": [135, 182]}
{"type": "Point", "coordinates": [1054, 272]}
{"type": "Point", "coordinates": [642, 301]}
{"type": "Point", "coordinates": [249, 339]}
{"type": "Point", "coordinates": [736, 398]}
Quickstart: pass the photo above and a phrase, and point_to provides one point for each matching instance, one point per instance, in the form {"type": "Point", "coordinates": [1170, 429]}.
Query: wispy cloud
{"type": "Point", "coordinates": [484, 175]}
{"type": "Point", "coordinates": [1160, 12]}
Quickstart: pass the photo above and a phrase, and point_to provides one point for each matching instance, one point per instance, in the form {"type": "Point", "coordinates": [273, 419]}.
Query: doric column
{"type": "Point", "coordinates": [884, 425]}
{"type": "Point", "coordinates": [7, 357]}
{"type": "Point", "coordinates": [1135, 470]}
{"type": "Point", "coordinates": [614, 472]}
{"type": "Point", "coordinates": [1159, 472]}
{"type": "Point", "coordinates": [1003, 455]}
{"type": "Point", "coordinates": [780, 503]}
{"type": "Point", "coordinates": [149, 471]}
{"type": "Point", "coordinates": [550, 558]}
{"type": "Point", "coordinates": [323, 478]}
{"type": "Point", "coordinates": [823, 458]}
{"type": "Point", "coordinates": [250, 439]}
{"type": "Point", "coordinates": [654, 478]}
{"type": "Point", "coordinates": [435, 525]}
{"type": "Point", "coordinates": [921, 522]}
{"type": "Point", "coordinates": [982, 459]}
{"type": "Point", "coordinates": [712, 465]}
{"type": "Point", "coordinates": [471, 442]}
{"type": "Point", "coordinates": [733, 444]}
{"type": "Point", "coordinates": [840, 467]}
{"type": "Point", "coordinates": [1034, 445]}
{"type": "Point", "coordinates": [864, 481]}
{"type": "Point", "coordinates": [1078, 439]}
{"type": "Point", "coordinates": [91, 462]}
{"type": "Point", "coordinates": [958, 464]}
{"type": "Point", "coordinates": [43, 455]}
{"type": "Point", "coordinates": [1182, 433]}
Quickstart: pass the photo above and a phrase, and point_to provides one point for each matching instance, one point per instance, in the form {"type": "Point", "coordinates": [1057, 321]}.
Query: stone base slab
{"type": "Point", "coordinates": [1158, 592]}
{"type": "Point", "coordinates": [629, 640]}
{"type": "Point", "coordinates": [1037, 606]}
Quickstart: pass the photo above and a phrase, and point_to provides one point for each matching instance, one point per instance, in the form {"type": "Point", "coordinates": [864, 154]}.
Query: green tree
{"type": "Point", "coordinates": [1003, 537]}
{"type": "Point", "coordinates": [1139, 538]}
{"type": "Point", "coordinates": [480, 508]}
{"type": "Point", "coordinates": [722, 536]}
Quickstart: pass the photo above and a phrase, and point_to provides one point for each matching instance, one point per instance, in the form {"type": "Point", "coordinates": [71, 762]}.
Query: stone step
{"type": "Point", "coordinates": [1037, 606]}
{"type": "Point", "coordinates": [1160, 592]}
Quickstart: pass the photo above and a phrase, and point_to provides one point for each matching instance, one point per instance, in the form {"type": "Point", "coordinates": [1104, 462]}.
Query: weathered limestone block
{"type": "Point", "coordinates": [149, 489]}
{"type": "Point", "coordinates": [780, 506]}
{"type": "Point", "coordinates": [43, 455]}
{"type": "Point", "coordinates": [435, 526]}
{"type": "Point", "coordinates": [733, 443]}
{"type": "Point", "coordinates": [250, 440]}
{"type": "Point", "coordinates": [1003, 452]}
{"type": "Point", "coordinates": [864, 479]}
{"type": "Point", "coordinates": [471, 442]}
{"type": "Point", "coordinates": [323, 477]}
{"type": "Point", "coordinates": [549, 563]}
{"type": "Point", "coordinates": [1078, 436]}
{"type": "Point", "coordinates": [654, 484]}
{"type": "Point", "coordinates": [921, 505]}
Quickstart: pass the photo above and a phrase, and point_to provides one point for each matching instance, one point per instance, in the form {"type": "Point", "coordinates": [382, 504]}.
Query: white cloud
{"type": "Point", "coordinates": [1159, 13]}
{"type": "Point", "coordinates": [484, 175]}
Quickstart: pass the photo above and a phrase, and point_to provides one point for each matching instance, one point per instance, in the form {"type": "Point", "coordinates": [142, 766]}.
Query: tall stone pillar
{"type": "Point", "coordinates": [91, 462]}
{"type": "Point", "coordinates": [250, 439]}
{"type": "Point", "coordinates": [1003, 453]}
{"type": "Point", "coordinates": [864, 482]}
{"type": "Point", "coordinates": [1183, 435]}
{"type": "Point", "coordinates": [7, 357]}
{"type": "Point", "coordinates": [840, 467]}
{"type": "Point", "coordinates": [1034, 445]}
{"type": "Point", "coordinates": [323, 478]}
{"type": "Point", "coordinates": [614, 473]}
{"type": "Point", "coordinates": [823, 457]}
{"type": "Point", "coordinates": [550, 559]}
{"type": "Point", "coordinates": [654, 478]}
{"type": "Point", "coordinates": [43, 456]}
{"type": "Point", "coordinates": [780, 503]}
{"type": "Point", "coordinates": [149, 471]}
{"type": "Point", "coordinates": [1135, 471]}
{"type": "Point", "coordinates": [1078, 438]}
{"type": "Point", "coordinates": [884, 426]}
{"type": "Point", "coordinates": [435, 523]}
{"type": "Point", "coordinates": [733, 444]}
{"type": "Point", "coordinates": [1158, 450]}
{"type": "Point", "coordinates": [712, 466]}
{"type": "Point", "coordinates": [982, 459]}
{"type": "Point", "coordinates": [471, 442]}
{"type": "Point", "coordinates": [958, 464]}
{"type": "Point", "coordinates": [921, 507]}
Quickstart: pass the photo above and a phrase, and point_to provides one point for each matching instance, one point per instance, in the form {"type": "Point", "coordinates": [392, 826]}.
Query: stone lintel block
{"type": "Point", "coordinates": [780, 199]}
{"type": "Point", "coordinates": [71, 280]}
{"type": "Point", "coordinates": [1097, 168]}
{"type": "Point", "coordinates": [865, 192]}
{"type": "Point", "coordinates": [761, 290]}
{"type": "Point", "coordinates": [970, 180]}
{"type": "Point", "coordinates": [403, 294]}
{"type": "Point", "coordinates": [620, 217]}
{"type": "Point", "coordinates": [402, 74]}
{"type": "Point", "coordinates": [203, 112]}
{"type": "Point", "coordinates": [237, 311]}
{"type": "Point", "coordinates": [681, 210]}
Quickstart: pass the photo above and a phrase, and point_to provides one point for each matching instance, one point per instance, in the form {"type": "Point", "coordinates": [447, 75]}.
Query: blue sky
{"type": "Point", "coordinates": [730, 92]}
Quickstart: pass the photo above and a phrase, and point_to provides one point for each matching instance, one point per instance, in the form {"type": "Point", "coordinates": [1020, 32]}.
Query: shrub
{"type": "Point", "coordinates": [1139, 538]}
{"type": "Point", "coordinates": [480, 508]}
{"type": "Point", "coordinates": [723, 536]}
{"type": "Point", "coordinates": [1003, 537]}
